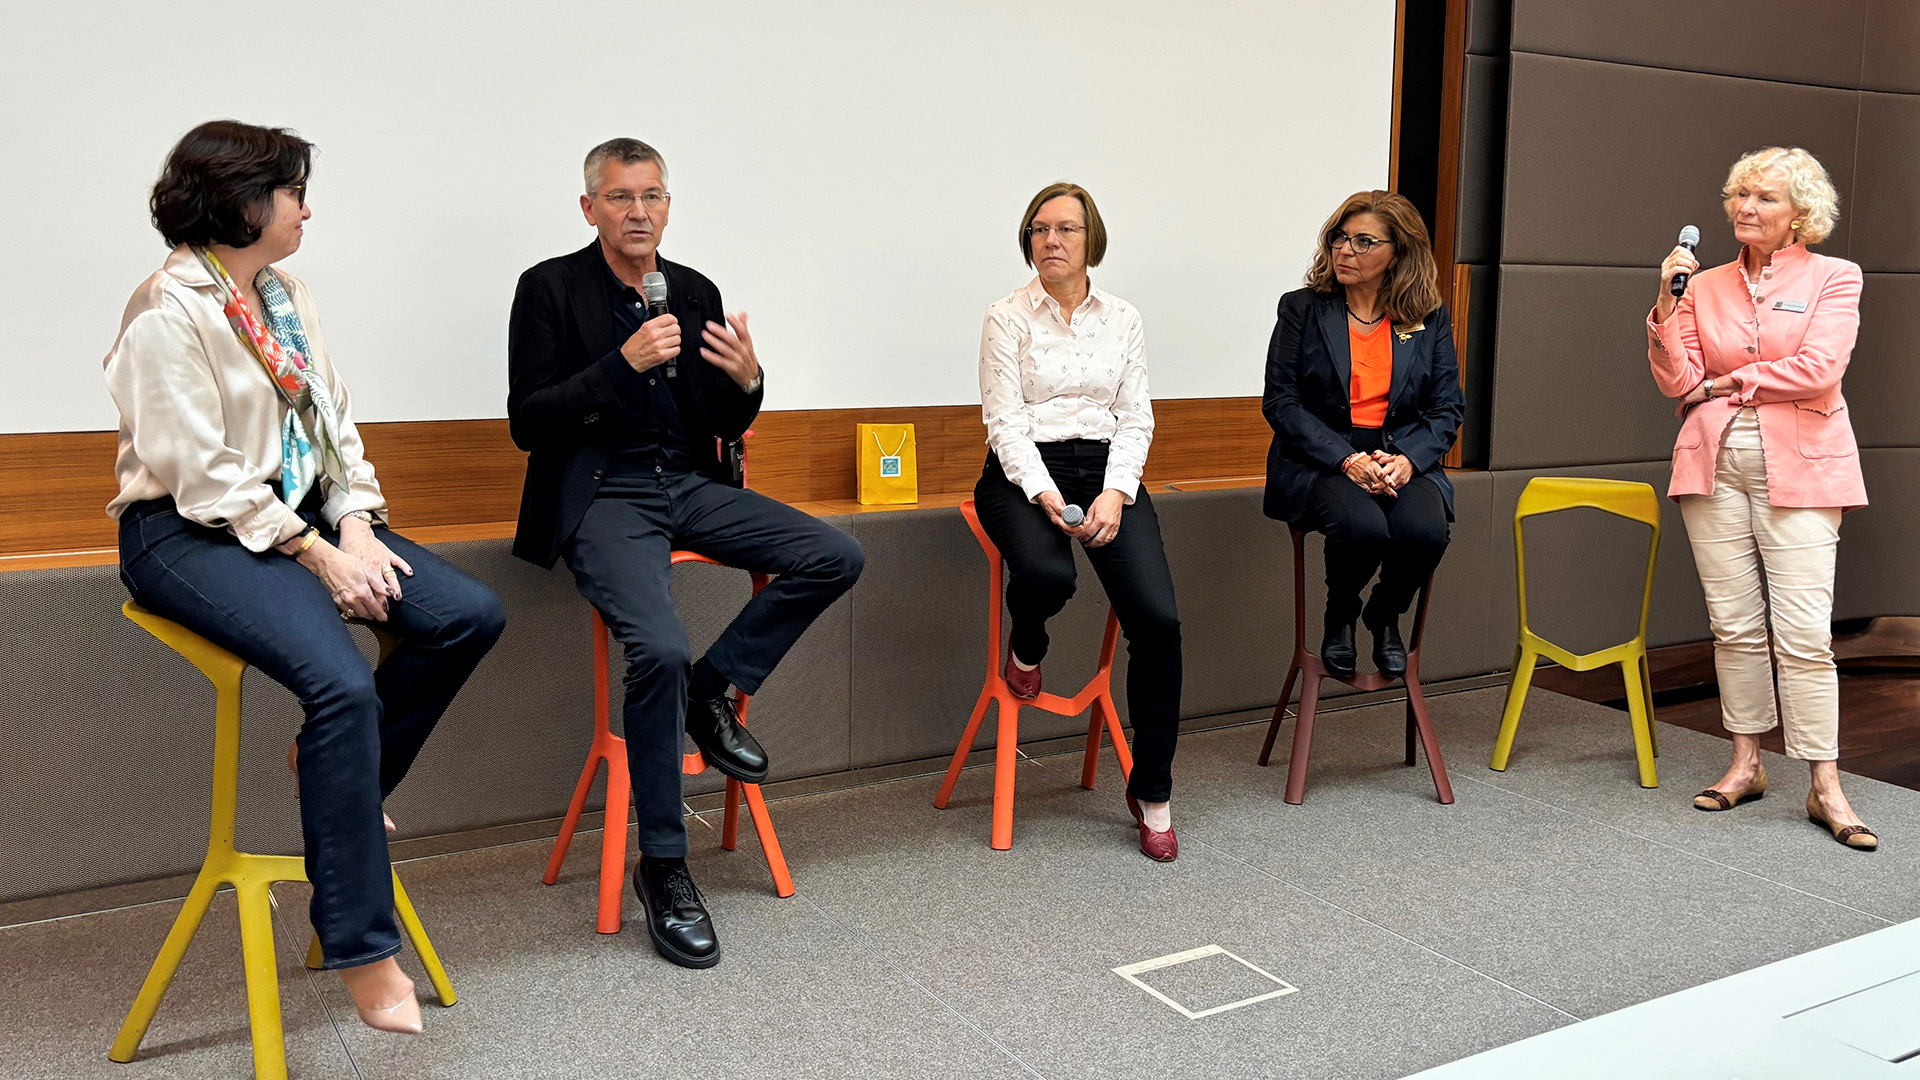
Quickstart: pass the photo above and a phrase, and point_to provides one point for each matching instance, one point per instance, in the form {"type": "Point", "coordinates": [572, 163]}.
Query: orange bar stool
{"type": "Point", "coordinates": [1308, 664]}
{"type": "Point", "coordinates": [1097, 695]}
{"type": "Point", "coordinates": [250, 876]}
{"type": "Point", "coordinates": [612, 749]}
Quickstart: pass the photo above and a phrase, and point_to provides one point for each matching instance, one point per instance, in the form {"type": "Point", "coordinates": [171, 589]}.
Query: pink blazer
{"type": "Point", "coordinates": [1784, 349]}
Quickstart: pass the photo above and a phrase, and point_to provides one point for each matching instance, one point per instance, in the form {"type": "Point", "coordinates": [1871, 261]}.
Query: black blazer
{"type": "Point", "coordinates": [565, 377]}
{"type": "Point", "coordinates": [1307, 403]}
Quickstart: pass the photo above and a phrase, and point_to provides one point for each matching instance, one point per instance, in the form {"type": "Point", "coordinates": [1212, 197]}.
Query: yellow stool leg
{"type": "Point", "coordinates": [263, 981]}
{"type": "Point", "coordinates": [127, 1044]}
{"type": "Point", "coordinates": [1646, 682]}
{"type": "Point", "coordinates": [1642, 722]}
{"type": "Point", "coordinates": [315, 962]}
{"type": "Point", "coordinates": [1523, 663]}
{"type": "Point", "coordinates": [410, 921]}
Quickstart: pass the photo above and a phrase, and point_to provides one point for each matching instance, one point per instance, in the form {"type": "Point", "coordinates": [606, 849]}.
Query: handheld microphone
{"type": "Point", "coordinates": [654, 287]}
{"type": "Point", "coordinates": [1073, 516]}
{"type": "Point", "coordinates": [1689, 238]}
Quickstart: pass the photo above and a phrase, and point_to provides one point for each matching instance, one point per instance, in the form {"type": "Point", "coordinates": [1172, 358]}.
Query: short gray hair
{"type": "Point", "coordinates": [628, 151]}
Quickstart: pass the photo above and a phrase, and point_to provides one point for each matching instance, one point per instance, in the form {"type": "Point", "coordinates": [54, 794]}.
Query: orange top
{"type": "Point", "coordinates": [1372, 374]}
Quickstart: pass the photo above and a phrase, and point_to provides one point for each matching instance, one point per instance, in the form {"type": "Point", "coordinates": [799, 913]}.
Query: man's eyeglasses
{"type": "Point", "coordinates": [624, 200]}
{"type": "Point", "coordinates": [1360, 244]}
{"type": "Point", "coordinates": [1067, 233]}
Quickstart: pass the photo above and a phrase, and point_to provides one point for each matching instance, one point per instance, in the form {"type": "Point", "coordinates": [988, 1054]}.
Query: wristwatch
{"type": "Point", "coordinates": [1709, 386]}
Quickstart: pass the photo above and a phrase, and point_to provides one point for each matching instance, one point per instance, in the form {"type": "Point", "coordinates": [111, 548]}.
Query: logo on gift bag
{"type": "Point", "coordinates": [890, 465]}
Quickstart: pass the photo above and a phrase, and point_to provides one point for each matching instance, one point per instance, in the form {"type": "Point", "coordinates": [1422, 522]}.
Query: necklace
{"type": "Point", "coordinates": [1364, 322]}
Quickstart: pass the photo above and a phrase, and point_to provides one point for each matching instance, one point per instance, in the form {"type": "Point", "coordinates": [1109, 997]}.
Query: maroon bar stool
{"type": "Point", "coordinates": [1309, 665]}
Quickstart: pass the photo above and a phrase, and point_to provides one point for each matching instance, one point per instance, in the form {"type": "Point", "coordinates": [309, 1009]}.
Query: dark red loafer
{"type": "Point", "coordinates": [1024, 684]}
{"type": "Point", "coordinates": [1158, 846]}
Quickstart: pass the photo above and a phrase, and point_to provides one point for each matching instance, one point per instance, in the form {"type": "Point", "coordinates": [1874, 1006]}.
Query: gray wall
{"type": "Point", "coordinates": [107, 734]}
{"type": "Point", "coordinates": [1620, 121]}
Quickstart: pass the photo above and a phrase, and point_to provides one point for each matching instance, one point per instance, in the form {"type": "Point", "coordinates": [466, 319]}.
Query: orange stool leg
{"type": "Point", "coordinates": [565, 839]}
{"type": "Point", "coordinates": [730, 823]}
{"type": "Point", "coordinates": [769, 843]}
{"type": "Point", "coordinates": [613, 838]}
{"type": "Point", "coordinates": [965, 748]}
{"type": "Point", "coordinates": [1004, 755]}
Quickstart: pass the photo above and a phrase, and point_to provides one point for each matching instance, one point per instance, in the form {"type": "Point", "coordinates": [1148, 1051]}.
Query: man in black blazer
{"type": "Point", "coordinates": [632, 441]}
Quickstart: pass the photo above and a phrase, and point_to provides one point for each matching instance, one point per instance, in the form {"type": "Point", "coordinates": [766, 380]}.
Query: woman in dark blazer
{"type": "Point", "coordinates": [1363, 394]}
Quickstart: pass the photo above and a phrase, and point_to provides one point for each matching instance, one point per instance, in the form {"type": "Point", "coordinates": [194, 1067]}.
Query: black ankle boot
{"type": "Point", "coordinates": [677, 920]}
{"type": "Point", "coordinates": [715, 728]}
{"type": "Point", "coordinates": [1337, 651]}
{"type": "Point", "coordinates": [1389, 652]}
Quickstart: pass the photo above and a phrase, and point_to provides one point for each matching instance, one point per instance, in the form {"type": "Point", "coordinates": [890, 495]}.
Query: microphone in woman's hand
{"type": "Point", "coordinates": [1689, 239]}
{"type": "Point", "coordinates": [1073, 516]}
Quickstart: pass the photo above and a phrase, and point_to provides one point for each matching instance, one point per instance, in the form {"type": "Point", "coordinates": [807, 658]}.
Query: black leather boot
{"type": "Point", "coordinates": [1337, 651]}
{"type": "Point", "coordinates": [677, 920]}
{"type": "Point", "coordinates": [715, 728]}
{"type": "Point", "coordinates": [1389, 652]}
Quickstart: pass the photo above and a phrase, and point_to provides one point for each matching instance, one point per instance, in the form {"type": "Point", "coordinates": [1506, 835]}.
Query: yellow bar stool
{"type": "Point", "coordinates": [1627, 499]}
{"type": "Point", "coordinates": [249, 875]}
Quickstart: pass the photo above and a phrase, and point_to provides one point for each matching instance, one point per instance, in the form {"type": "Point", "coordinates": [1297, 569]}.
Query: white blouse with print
{"type": "Point", "coordinates": [1047, 377]}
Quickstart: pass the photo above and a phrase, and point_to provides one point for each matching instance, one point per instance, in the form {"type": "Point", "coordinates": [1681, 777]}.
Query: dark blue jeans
{"type": "Point", "coordinates": [620, 559]}
{"type": "Point", "coordinates": [363, 727]}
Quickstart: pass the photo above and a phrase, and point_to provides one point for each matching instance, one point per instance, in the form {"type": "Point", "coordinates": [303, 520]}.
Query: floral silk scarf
{"type": "Point", "coordinates": [282, 349]}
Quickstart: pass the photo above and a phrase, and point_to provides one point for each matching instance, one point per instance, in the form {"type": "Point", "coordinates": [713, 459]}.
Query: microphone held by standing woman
{"type": "Point", "coordinates": [1765, 463]}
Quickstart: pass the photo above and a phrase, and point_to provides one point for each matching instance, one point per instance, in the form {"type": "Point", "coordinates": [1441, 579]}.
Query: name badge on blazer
{"type": "Point", "coordinates": [1405, 333]}
{"type": "Point", "coordinates": [1790, 305]}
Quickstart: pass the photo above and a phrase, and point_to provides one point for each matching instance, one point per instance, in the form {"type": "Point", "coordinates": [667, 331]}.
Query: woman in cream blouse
{"type": "Point", "coordinates": [249, 514]}
{"type": "Point", "coordinates": [1063, 386]}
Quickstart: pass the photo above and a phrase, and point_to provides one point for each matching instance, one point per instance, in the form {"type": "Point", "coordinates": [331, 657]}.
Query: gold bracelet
{"type": "Point", "coordinates": [311, 535]}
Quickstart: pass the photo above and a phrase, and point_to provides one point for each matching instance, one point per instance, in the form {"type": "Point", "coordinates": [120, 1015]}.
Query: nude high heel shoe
{"type": "Point", "coordinates": [402, 1017]}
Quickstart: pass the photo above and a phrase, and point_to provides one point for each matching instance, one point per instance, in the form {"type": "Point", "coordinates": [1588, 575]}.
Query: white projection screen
{"type": "Point", "coordinates": [850, 172]}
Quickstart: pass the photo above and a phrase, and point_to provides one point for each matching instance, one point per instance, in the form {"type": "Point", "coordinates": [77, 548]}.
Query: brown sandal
{"type": "Point", "coordinates": [1718, 800]}
{"type": "Point", "coordinates": [1854, 836]}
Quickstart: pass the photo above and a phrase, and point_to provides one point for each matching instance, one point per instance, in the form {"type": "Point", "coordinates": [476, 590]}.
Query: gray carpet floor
{"type": "Point", "coordinates": [1413, 933]}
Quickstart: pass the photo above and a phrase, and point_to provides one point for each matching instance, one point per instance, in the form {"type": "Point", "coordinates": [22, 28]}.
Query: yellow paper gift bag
{"type": "Point", "coordinates": [886, 460]}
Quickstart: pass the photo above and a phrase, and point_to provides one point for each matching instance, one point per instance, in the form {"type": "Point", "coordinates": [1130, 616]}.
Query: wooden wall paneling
{"type": "Point", "coordinates": [54, 488]}
{"type": "Point", "coordinates": [1399, 76]}
{"type": "Point", "coordinates": [1459, 306]}
{"type": "Point", "coordinates": [1452, 99]}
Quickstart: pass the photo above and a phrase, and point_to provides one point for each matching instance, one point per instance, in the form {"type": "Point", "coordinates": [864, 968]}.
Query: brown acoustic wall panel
{"type": "Point", "coordinates": [1605, 162]}
{"type": "Point", "coordinates": [1782, 40]}
{"type": "Point", "coordinates": [1883, 381]}
{"type": "Point", "coordinates": [1483, 135]}
{"type": "Point", "coordinates": [1885, 207]}
{"type": "Point", "coordinates": [1489, 27]}
{"type": "Point", "coordinates": [1892, 47]}
{"type": "Point", "coordinates": [1875, 572]}
{"type": "Point", "coordinates": [1572, 383]}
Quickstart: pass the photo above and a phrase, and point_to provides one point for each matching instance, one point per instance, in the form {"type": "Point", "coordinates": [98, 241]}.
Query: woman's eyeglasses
{"type": "Point", "coordinates": [1359, 244]}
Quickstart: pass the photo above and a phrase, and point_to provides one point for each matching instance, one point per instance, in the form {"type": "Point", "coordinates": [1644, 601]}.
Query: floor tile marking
{"type": "Point", "coordinates": [1131, 973]}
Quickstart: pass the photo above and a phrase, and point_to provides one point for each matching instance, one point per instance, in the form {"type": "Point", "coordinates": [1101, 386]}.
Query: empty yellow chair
{"type": "Point", "coordinates": [249, 875]}
{"type": "Point", "coordinates": [1636, 502]}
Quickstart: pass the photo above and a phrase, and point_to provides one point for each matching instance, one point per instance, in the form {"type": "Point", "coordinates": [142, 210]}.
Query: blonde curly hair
{"type": "Point", "coordinates": [1814, 200]}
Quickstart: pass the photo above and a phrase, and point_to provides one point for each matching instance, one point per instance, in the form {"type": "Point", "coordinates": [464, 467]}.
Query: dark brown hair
{"type": "Point", "coordinates": [218, 183]}
{"type": "Point", "coordinates": [1096, 229]}
{"type": "Point", "coordinates": [1411, 290]}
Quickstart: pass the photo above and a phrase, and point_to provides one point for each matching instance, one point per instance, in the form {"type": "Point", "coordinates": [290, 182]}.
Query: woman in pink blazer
{"type": "Point", "coordinates": [1765, 463]}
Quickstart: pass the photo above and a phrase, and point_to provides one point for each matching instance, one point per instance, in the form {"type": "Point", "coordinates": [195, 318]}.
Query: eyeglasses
{"type": "Point", "coordinates": [1067, 233]}
{"type": "Point", "coordinates": [1359, 244]}
{"type": "Point", "coordinates": [624, 200]}
{"type": "Point", "coordinates": [298, 191]}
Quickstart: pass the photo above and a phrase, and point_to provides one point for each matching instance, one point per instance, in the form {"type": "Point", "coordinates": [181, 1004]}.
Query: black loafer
{"type": "Point", "coordinates": [677, 920]}
{"type": "Point", "coordinates": [715, 728]}
{"type": "Point", "coordinates": [1337, 651]}
{"type": "Point", "coordinates": [1389, 652]}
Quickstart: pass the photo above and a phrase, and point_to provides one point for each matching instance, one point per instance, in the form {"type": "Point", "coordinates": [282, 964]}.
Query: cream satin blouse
{"type": "Point", "coordinates": [200, 420]}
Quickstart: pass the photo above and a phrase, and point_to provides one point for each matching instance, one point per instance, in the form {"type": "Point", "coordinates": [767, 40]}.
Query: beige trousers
{"type": "Point", "coordinates": [1737, 537]}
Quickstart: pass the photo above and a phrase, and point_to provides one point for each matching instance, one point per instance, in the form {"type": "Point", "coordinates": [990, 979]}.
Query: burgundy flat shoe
{"type": "Point", "coordinates": [1024, 684]}
{"type": "Point", "coordinates": [1158, 846]}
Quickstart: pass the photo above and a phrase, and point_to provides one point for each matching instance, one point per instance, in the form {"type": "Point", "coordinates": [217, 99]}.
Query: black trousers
{"type": "Point", "coordinates": [1132, 569]}
{"type": "Point", "coordinates": [620, 559]}
{"type": "Point", "coordinates": [1403, 538]}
